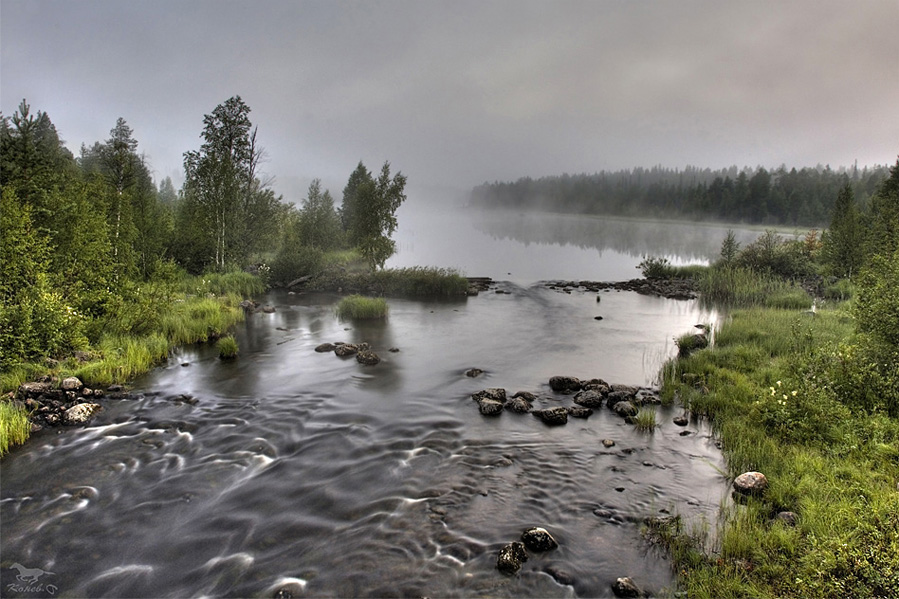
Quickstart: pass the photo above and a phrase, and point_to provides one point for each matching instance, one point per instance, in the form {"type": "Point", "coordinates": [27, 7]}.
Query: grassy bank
{"type": "Point", "coordinates": [807, 401]}
{"type": "Point", "coordinates": [136, 337]}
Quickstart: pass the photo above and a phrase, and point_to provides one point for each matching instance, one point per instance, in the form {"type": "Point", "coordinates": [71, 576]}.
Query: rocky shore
{"type": "Point", "coordinates": [679, 289]}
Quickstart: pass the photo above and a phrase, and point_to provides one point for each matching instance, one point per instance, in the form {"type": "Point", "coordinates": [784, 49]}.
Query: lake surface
{"type": "Point", "coordinates": [312, 472]}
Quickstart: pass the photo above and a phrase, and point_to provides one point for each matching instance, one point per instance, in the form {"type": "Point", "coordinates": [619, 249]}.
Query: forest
{"type": "Point", "coordinates": [791, 197]}
{"type": "Point", "coordinates": [93, 249]}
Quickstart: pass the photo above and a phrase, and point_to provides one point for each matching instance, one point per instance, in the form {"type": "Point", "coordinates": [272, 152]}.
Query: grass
{"type": "Point", "coordinates": [357, 306]}
{"type": "Point", "coordinates": [645, 420]}
{"type": "Point", "coordinates": [234, 282]}
{"type": "Point", "coordinates": [419, 281]}
{"type": "Point", "coordinates": [227, 347]}
{"type": "Point", "coordinates": [14, 426]}
{"type": "Point", "coordinates": [784, 394]}
{"type": "Point", "coordinates": [730, 287]}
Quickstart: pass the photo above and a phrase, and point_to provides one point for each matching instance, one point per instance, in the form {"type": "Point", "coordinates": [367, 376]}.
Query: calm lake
{"type": "Point", "coordinates": [291, 468]}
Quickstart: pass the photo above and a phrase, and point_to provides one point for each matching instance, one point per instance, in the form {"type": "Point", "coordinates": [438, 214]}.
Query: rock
{"type": "Point", "coordinates": [625, 409]}
{"type": "Point", "coordinates": [490, 407]}
{"type": "Point", "coordinates": [268, 309]}
{"type": "Point", "coordinates": [788, 518]}
{"type": "Point", "coordinates": [597, 318]}
{"type": "Point", "coordinates": [552, 416]}
{"type": "Point", "coordinates": [473, 372]}
{"type": "Point", "coordinates": [631, 391]}
{"type": "Point", "coordinates": [646, 396]}
{"type": "Point", "coordinates": [394, 350]}
{"type": "Point", "coordinates": [596, 385]}
{"type": "Point", "coordinates": [519, 405]}
{"type": "Point", "coordinates": [751, 483]}
{"type": "Point", "coordinates": [511, 557]}
{"type": "Point", "coordinates": [367, 357]}
{"type": "Point", "coordinates": [346, 349]}
{"type": "Point", "coordinates": [564, 384]}
{"type": "Point", "coordinates": [615, 397]}
{"type": "Point", "coordinates": [325, 347]}
{"type": "Point", "coordinates": [579, 412]}
{"type": "Point", "coordinates": [249, 306]}
{"type": "Point", "coordinates": [589, 399]}
{"type": "Point", "coordinates": [115, 389]}
{"type": "Point", "coordinates": [80, 413]}
{"type": "Point", "coordinates": [538, 539]}
{"type": "Point", "coordinates": [625, 587]}
{"type": "Point", "coordinates": [33, 389]}
{"type": "Point", "coordinates": [608, 443]}
{"type": "Point", "coordinates": [526, 395]}
{"type": "Point", "coordinates": [681, 420]}
{"type": "Point", "coordinates": [561, 576]}
{"type": "Point", "coordinates": [73, 383]}
{"type": "Point", "coordinates": [495, 393]}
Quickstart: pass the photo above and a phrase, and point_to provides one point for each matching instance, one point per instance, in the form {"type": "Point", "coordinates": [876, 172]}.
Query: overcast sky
{"type": "Point", "coordinates": [456, 93]}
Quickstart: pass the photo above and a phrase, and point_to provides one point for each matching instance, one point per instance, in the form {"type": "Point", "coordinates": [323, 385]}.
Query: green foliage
{"type": "Point", "coordinates": [877, 304]}
{"type": "Point", "coordinates": [319, 224]}
{"type": "Point", "coordinates": [296, 261]}
{"type": "Point", "coordinates": [771, 253]}
{"type": "Point", "coordinates": [843, 245]}
{"type": "Point", "coordinates": [655, 268]}
{"type": "Point", "coordinates": [357, 306]}
{"type": "Point", "coordinates": [227, 347]}
{"type": "Point", "coordinates": [735, 286]}
{"type": "Point", "coordinates": [645, 419]}
{"type": "Point", "coordinates": [369, 212]}
{"type": "Point", "coordinates": [417, 281]}
{"type": "Point", "coordinates": [14, 425]}
{"type": "Point", "coordinates": [729, 248]}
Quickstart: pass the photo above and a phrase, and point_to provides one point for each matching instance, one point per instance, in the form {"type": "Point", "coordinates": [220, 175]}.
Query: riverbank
{"type": "Point", "coordinates": [787, 394]}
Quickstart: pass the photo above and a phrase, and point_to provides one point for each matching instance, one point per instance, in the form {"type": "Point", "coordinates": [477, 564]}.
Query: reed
{"type": "Point", "coordinates": [14, 426]}
{"type": "Point", "coordinates": [417, 281]}
{"type": "Point", "coordinates": [732, 287]}
{"type": "Point", "coordinates": [227, 347]}
{"type": "Point", "coordinates": [645, 420]}
{"type": "Point", "coordinates": [357, 306]}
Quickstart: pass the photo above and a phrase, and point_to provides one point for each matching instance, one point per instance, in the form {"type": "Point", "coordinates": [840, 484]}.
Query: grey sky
{"type": "Point", "coordinates": [456, 93]}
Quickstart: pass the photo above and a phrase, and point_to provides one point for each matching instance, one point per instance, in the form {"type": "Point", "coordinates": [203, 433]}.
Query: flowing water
{"type": "Point", "coordinates": [291, 469]}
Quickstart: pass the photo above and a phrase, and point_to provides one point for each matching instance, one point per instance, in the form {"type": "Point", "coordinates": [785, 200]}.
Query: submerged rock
{"type": "Point", "coordinates": [495, 393]}
{"type": "Point", "coordinates": [626, 587]}
{"type": "Point", "coordinates": [346, 349]}
{"type": "Point", "coordinates": [511, 557]}
{"type": "Point", "coordinates": [325, 348]}
{"type": "Point", "coordinates": [519, 404]}
{"type": "Point", "coordinates": [589, 399]}
{"type": "Point", "coordinates": [473, 372]}
{"type": "Point", "coordinates": [490, 407]}
{"type": "Point", "coordinates": [579, 412]}
{"type": "Point", "coordinates": [625, 409]}
{"type": "Point", "coordinates": [367, 357]}
{"type": "Point", "coordinates": [538, 539]}
{"type": "Point", "coordinates": [565, 384]}
{"type": "Point", "coordinates": [552, 416]}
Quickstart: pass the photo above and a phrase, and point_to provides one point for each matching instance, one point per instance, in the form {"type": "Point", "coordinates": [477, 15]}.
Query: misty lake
{"type": "Point", "coordinates": [312, 474]}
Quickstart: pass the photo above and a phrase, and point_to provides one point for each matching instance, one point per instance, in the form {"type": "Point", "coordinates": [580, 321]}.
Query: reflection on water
{"type": "Point", "coordinates": [530, 246]}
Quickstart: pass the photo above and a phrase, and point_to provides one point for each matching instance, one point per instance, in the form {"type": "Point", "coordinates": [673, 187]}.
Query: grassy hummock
{"type": "Point", "coordinates": [227, 347]}
{"type": "Point", "coordinates": [357, 306]}
{"type": "Point", "coordinates": [14, 425]}
{"type": "Point", "coordinates": [800, 398]}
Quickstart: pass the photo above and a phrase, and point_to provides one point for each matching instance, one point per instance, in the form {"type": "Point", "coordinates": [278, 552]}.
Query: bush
{"type": "Point", "coordinates": [228, 349]}
{"type": "Point", "coordinates": [877, 304]}
{"type": "Point", "coordinates": [772, 254]}
{"type": "Point", "coordinates": [357, 306]}
{"type": "Point", "coordinates": [655, 268]}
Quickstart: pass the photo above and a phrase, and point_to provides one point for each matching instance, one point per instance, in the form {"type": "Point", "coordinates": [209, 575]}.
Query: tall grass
{"type": "Point", "coordinates": [14, 426]}
{"type": "Point", "coordinates": [227, 347]}
{"type": "Point", "coordinates": [731, 287]}
{"type": "Point", "coordinates": [357, 306]}
{"type": "Point", "coordinates": [645, 420]}
{"type": "Point", "coordinates": [418, 281]}
{"type": "Point", "coordinates": [123, 358]}
{"type": "Point", "coordinates": [235, 282]}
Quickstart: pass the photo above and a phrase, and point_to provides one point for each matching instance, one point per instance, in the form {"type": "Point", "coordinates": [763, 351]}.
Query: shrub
{"type": "Point", "coordinates": [293, 262]}
{"type": "Point", "coordinates": [655, 268]}
{"type": "Point", "coordinates": [770, 253]}
{"type": "Point", "coordinates": [877, 304]}
{"type": "Point", "coordinates": [228, 349]}
{"type": "Point", "coordinates": [14, 425]}
{"type": "Point", "coordinates": [357, 306]}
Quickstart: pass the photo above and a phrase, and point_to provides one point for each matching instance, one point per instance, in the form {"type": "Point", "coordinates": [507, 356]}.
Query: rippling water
{"type": "Point", "coordinates": [300, 469]}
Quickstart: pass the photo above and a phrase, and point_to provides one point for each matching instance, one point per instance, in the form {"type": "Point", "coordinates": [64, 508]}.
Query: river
{"type": "Point", "coordinates": [291, 469]}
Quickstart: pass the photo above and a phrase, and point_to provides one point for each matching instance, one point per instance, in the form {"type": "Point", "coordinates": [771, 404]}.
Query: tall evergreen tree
{"type": "Point", "coordinates": [843, 249]}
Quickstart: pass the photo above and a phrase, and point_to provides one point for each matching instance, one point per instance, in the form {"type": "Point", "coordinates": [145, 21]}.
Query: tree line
{"type": "Point", "coordinates": [84, 239]}
{"type": "Point", "coordinates": [792, 197]}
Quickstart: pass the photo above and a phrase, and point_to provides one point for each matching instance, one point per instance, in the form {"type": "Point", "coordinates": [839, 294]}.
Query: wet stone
{"type": "Point", "coordinates": [538, 539]}
{"type": "Point", "coordinates": [751, 483]}
{"type": "Point", "coordinates": [552, 416]}
{"type": "Point", "coordinates": [496, 394]}
{"type": "Point", "coordinates": [608, 443]}
{"type": "Point", "coordinates": [589, 399]}
{"type": "Point", "coordinates": [626, 587]}
{"type": "Point", "coordinates": [580, 412]}
{"type": "Point", "coordinates": [490, 407]}
{"type": "Point", "coordinates": [511, 557]}
{"type": "Point", "coordinates": [325, 348]}
{"type": "Point", "coordinates": [681, 420]}
{"type": "Point", "coordinates": [473, 372]}
{"type": "Point", "coordinates": [519, 405]}
{"type": "Point", "coordinates": [564, 384]}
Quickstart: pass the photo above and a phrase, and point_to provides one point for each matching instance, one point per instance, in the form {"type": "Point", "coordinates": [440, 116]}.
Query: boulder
{"type": "Point", "coordinates": [608, 443]}
{"type": "Point", "coordinates": [564, 384]}
{"type": "Point", "coordinates": [538, 539]}
{"type": "Point", "coordinates": [625, 587]}
{"type": "Point", "coordinates": [552, 416]}
{"type": "Point", "coordinates": [81, 413]}
{"type": "Point", "coordinates": [526, 395]}
{"type": "Point", "coordinates": [73, 383]}
{"type": "Point", "coordinates": [511, 557]}
{"type": "Point", "coordinates": [519, 404]}
{"type": "Point", "coordinates": [751, 483]}
{"type": "Point", "coordinates": [33, 389]}
{"type": "Point", "coordinates": [495, 393]}
{"type": "Point", "coordinates": [346, 349]}
{"type": "Point", "coordinates": [490, 407]}
{"type": "Point", "coordinates": [647, 396]}
{"type": "Point", "coordinates": [580, 412]}
{"type": "Point", "coordinates": [367, 357]}
{"type": "Point", "coordinates": [473, 372]}
{"type": "Point", "coordinates": [617, 396]}
{"type": "Point", "coordinates": [596, 385]}
{"type": "Point", "coordinates": [325, 347]}
{"type": "Point", "coordinates": [589, 399]}
{"type": "Point", "coordinates": [268, 309]}
{"type": "Point", "coordinates": [625, 409]}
